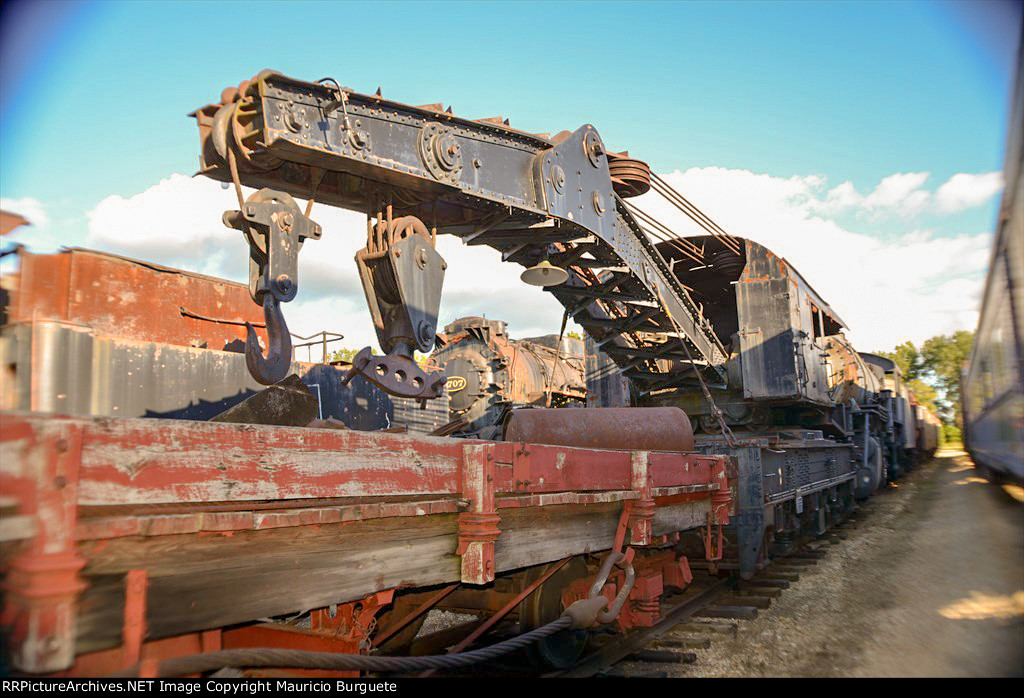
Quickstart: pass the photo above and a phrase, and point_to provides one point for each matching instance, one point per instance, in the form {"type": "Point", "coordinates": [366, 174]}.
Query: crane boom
{"type": "Point", "coordinates": [529, 196]}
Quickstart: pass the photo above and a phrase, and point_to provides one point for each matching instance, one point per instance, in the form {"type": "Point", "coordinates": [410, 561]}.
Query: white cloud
{"type": "Point", "coordinates": [177, 222]}
{"type": "Point", "coordinates": [902, 195]}
{"type": "Point", "coordinates": [964, 191]}
{"type": "Point", "coordinates": [28, 207]}
{"type": "Point", "coordinates": [913, 287]}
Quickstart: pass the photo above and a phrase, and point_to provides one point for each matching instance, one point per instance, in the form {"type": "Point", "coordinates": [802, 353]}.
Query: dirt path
{"type": "Point", "coordinates": [930, 583]}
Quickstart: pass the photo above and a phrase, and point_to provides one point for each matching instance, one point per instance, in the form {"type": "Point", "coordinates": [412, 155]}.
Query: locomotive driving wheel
{"type": "Point", "coordinates": [561, 650]}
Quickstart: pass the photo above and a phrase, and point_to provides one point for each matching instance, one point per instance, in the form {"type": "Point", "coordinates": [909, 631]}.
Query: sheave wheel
{"type": "Point", "coordinates": [545, 605]}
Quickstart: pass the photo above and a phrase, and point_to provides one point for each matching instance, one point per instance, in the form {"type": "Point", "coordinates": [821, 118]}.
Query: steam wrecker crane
{"type": "Point", "coordinates": [161, 547]}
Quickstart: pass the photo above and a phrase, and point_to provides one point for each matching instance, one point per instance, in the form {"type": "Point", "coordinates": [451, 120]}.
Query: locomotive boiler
{"type": "Point", "coordinates": [486, 373]}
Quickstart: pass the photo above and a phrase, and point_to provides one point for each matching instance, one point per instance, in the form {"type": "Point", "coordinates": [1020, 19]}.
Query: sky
{"type": "Point", "coordinates": [863, 141]}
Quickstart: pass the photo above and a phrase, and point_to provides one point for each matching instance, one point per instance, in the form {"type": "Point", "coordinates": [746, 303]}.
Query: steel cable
{"type": "Point", "coordinates": [653, 226]}
{"type": "Point", "coordinates": [679, 201]}
{"type": "Point", "coordinates": [301, 659]}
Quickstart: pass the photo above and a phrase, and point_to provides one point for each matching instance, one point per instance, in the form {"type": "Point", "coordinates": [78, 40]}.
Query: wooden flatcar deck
{"type": "Point", "coordinates": [231, 523]}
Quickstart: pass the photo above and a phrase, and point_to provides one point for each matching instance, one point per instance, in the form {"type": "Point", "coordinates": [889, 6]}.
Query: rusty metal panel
{"type": "Point", "coordinates": [128, 298]}
{"type": "Point", "coordinates": [765, 329]}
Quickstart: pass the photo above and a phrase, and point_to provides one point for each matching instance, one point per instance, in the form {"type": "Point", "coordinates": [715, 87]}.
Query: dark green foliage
{"type": "Point", "coordinates": [933, 372]}
{"type": "Point", "coordinates": [944, 357]}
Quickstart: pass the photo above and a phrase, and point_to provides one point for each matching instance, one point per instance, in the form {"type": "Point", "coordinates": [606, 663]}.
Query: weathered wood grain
{"type": "Point", "coordinates": [210, 580]}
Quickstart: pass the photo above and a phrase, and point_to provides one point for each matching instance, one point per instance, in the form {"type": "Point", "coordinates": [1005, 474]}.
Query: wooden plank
{"type": "Point", "coordinates": [662, 657]}
{"type": "Point", "coordinates": [795, 562]}
{"type": "Point", "coordinates": [738, 612]}
{"type": "Point", "coordinates": [205, 581]}
{"type": "Point", "coordinates": [748, 599]}
{"type": "Point", "coordinates": [533, 536]}
{"type": "Point", "coordinates": [752, 589]}
{"type": "Point", "coordinates": [693, 642]}
{"type": "Point", "coordinates": [133, 461]}
{"type": "Point", "coordinates": [681, 517]}
{"type": "Point", "coordinates": [810, 554]}
{"type": "Point", "coordinates": [211, 581]}
{"type": "Point", "coordinates": [779, 574]}
{"type": "Point", "coordinates": [708, 626]}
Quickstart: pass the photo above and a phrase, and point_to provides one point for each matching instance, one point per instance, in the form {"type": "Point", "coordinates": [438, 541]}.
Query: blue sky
{"type": "Point", "coordinates": [94, 96]}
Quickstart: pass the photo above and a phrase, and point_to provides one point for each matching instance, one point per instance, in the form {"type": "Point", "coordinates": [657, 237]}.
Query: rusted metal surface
{"type": "Point", "coordinates": [478, 527]}
{"type": "Point", "coordinates": [275, 230]}
{"type": "Point", "coordinates": [10, 221]}
{"type": "Point", "coordinates": [496, 617]}
{"type": "Point", "coordinates": [630, 177]}
{"type": "Point", "coordinates": [127, 298]}
{"type": "Point", "coordinates": [402, 275]}
{"type": "Point", "coordinates": [848, 374]}
{"type": "Point", "coordinates": [42, 581]}
{"type": "Point", "coordinates": [404, 621]}
{"type": "Point", "coordinates": [642, 429]}
{"type": "Point", "coordinates": [526, 196]}
{"type": "Point", "coordinates": [289, 637]}
{"type": "Point", "coordinates": [104, 662]}
{"type": "Point", "coordinates": [354, 621]}
{"type": "Point", "coordinates": [487, 373]}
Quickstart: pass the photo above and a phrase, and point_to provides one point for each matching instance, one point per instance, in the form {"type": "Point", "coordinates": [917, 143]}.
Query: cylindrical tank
{"type": "Point", "coordinates": [487, 372]}
{"type": "Point", "coordinates": [616, 428]}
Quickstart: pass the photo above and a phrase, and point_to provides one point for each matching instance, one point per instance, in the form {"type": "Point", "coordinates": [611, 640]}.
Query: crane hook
{"type": "Point", "coordinates": [275, 366]}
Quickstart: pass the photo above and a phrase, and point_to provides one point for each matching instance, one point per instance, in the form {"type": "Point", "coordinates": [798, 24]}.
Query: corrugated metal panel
{"type": "Point", "coordinates": [66, 369]}
{"type": "Point", "coordinates": [408, 414]}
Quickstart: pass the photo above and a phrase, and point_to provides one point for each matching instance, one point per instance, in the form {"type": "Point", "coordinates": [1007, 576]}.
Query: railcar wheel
{"type": "Point", "coordinates": [545, 605]}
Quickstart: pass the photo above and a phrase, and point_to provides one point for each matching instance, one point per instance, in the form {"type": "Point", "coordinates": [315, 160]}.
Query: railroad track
{"type": "Point", "coordinates": [712, 607]}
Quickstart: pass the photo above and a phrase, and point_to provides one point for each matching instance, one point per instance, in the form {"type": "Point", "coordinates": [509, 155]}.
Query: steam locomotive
{"type": "Point", "coordinates": [487, 373]}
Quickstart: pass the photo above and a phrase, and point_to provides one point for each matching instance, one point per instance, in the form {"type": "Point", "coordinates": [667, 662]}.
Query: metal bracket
{"type": "Point", "coordinates": [573, 181]}
{"type": "Point", "coordinates": [478, 528]}
{"type": "Point", "coordinates": [641, 511]}
{"type": "Point", "coordinates": [275, 229]}
{"type": "Point", "coordinates": [42, 585]}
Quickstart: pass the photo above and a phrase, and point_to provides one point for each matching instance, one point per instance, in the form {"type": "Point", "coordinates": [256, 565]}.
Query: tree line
{"type": "Point", "coordinates": [932, 372]}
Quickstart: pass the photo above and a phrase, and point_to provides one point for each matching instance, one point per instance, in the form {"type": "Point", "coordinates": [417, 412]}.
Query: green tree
{"type": "Point", "coordinates": [933, 372]}
{"type": "Point", "coordinates": [344, 354]}
{"type": "Point", "coordinates": [908, 358]}
{"type": "Point", "coordinates": [924, 394]}
{"type": "Point", "coordinates": [944, 356]}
